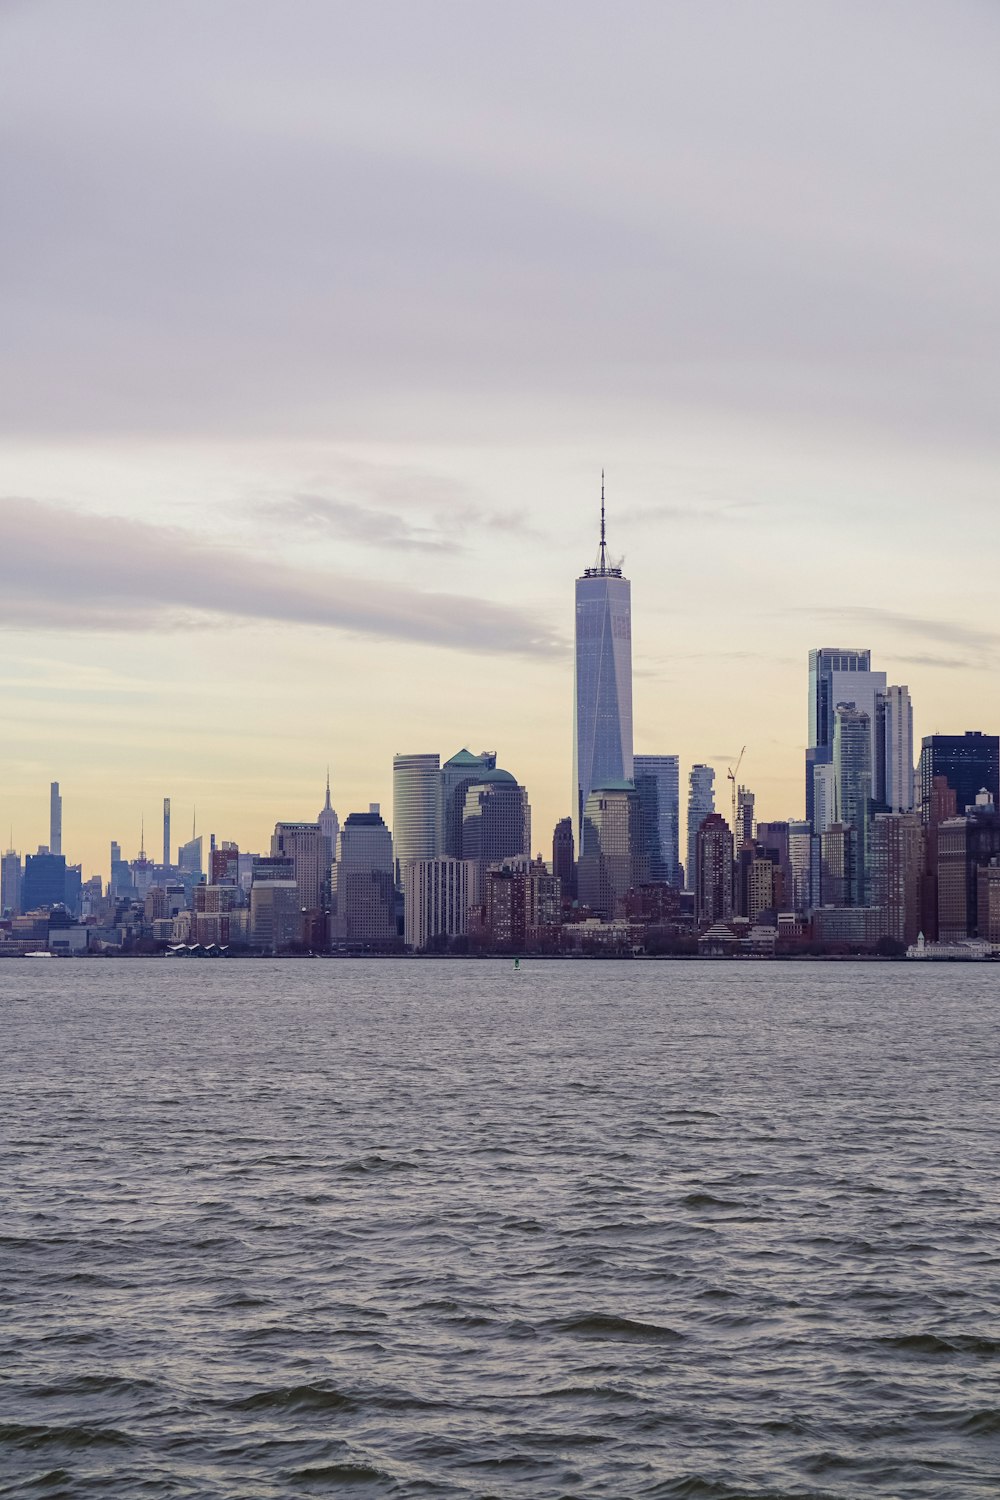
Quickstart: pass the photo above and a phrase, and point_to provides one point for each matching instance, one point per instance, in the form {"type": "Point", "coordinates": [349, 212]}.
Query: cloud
{"type": "Point", "coordinates": [920, 626]}
{"type": "Point", "coordinates": [63, 570]}
{"type": "Point", "coordinates": [359, 523]}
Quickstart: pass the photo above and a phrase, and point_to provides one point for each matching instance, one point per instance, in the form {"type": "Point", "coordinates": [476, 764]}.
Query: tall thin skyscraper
{"type": "Point", "coordinates": [701, 802]}
{"type": "Point", "coordinates": [657, 780]}
{"type": "Point", "coordinates": [898, 729]}
{"type": "Point", "coordinates": [416, 790]}
{"type": "Point", "coordinates": [55, 819]}
{"type": "Point", "coordinates": [837, 675]}
{"type": "Point", "coordinates": [852, 768]}
{"type": "Point", "coordinates": [602, 730]}
{"type": "Point", "coordinates": [166, 830]}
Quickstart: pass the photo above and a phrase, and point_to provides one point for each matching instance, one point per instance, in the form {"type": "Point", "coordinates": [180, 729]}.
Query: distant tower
{"type": "Point", "coordinates": [701, 802]}
{"type": "Point", "coordinates": [563, 858]}
{"type": "Point", "coordinates": [657, 780]}
{"type": "Point", "coordinates": [602, 738]}
{"type": "Point", "coordinates": [713, 882]}
{"type": "Point", "coordinates": [55, 819]}
{"type": "Point", "coordinates": [416, 792]}
{"type": "Point", "coordinates": [166, 830]}
{"type": "Point", "coordinates": [329, 823]}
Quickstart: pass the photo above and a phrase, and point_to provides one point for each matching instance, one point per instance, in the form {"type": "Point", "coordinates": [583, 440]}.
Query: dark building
{"type": "Point", "coordinates": [563, 858]}
{"type": "Point", "coordinates": [713, 889]}
{"type": "Point", "coordinates": [969, 762]}
{"type": "Point", "coordinates": [44, 882]}
{"type": "Point", "coordinates": [965, 846]}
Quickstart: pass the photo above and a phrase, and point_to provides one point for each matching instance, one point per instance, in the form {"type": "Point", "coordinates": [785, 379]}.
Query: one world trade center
{"type": "Point", "coordinates": [602, 738]}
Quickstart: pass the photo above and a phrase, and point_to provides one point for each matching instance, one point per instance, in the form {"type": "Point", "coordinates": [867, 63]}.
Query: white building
{"type": "Point", "coordinates": [701, 802]}
{"type": "Point", "coordinates": [416, 796]}
{"type": "Point", "coordinates": [899, 779]}
{"type": "Point", "coordinates": [437, 894]}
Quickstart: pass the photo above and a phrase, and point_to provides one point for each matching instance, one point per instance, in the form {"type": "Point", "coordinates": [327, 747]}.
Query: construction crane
{"type": "Point", "coordinates": [732, 773]}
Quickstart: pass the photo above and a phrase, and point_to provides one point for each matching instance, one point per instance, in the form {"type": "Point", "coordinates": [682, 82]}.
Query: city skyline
{"type": "Point", "coordinates": [300, 431]}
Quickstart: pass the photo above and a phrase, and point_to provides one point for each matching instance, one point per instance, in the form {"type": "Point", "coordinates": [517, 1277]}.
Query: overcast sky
{"type": "Point", "coordinates": [318, 322]}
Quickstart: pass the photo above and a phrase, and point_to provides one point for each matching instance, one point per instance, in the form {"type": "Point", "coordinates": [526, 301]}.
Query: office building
{"type": "Point", "coordinates": [612, 858]}
{"type": "Point", "coordinates": [43, 883]}
{"type": "Point", "coordinates": [416, 813]}
{"type": "Point", "coordinates": [897, 861]}
{"type": "Point", "coordinates": [602, 689]}
{"type": "Point", "coordinates": [745, 801]}
{"type": "Point", "coordinates": [306, 846]}
{"type": "Point", "coordinates": [496, 822]}
{"type": "Point", "coordinates": [10, 883]}
{"type": "Point", "coordinates": [895, 790]}
{"type": "Point", "coordinates": [804, 867]}
{"type": "Point", "coordinates": [166, 832]}
{"type": "Point", "coordinates": [969, 763]}
{"type": "Point", "coordinates": [457, 774]}
{"type": "Point", "coordinates": [852, 770]}
{"type": "Point", "coordinates": [364, 894]}
{"type": "Point", "coordinates": [965, 845]}
{"type": "Point", "coordinates": [837, 675]}
{"type": "Point", "coordinates": [838, 866]}
{"type": "Point", "coordinates": [55, 819]}
{"type": "Point", "coordinates": [564, 858]}
{"type": "Point", "coordinates": [189, 857]}
{"type": "Point", "coordinates": [657, 780]}
{"type": "Point", "coordinates": [329, 823]}
{"type": "Point", "coordinates": [701, 802]}
{"type": "Point", "coordinates": [275, 908]}
{"type": "Point", "coordinates": [437, 894]}
{"type": "Point", "coordinates": [713, 867]}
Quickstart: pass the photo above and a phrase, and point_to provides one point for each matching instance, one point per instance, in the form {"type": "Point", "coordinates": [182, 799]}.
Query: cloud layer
{"type": "Point", "coordinates": [60, 569]}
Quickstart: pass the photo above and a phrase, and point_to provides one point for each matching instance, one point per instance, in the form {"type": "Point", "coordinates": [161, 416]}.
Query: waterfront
{"type": "Point", "coordinates": [604, 1229]}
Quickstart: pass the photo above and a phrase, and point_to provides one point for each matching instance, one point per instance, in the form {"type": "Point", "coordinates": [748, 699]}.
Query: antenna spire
{"type": "Point", "coordinates": [604, 545]}
{"type": "Point", "coordinates": [327, 789]}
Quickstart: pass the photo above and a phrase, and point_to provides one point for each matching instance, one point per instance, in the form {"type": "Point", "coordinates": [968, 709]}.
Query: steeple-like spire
{"type": "Point", "coordinates": [604, 545]}
{"type": "Point", "coordinates": [142, 837]}
{"type": "Point", "coordinates": [326, 806]}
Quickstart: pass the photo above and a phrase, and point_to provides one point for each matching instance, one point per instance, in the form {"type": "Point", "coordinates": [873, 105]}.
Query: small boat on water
{"type": "Point", "coordinates": [39, 953]}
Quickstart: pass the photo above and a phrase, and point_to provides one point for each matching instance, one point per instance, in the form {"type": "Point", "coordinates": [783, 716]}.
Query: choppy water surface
{"type": "Point", "coordinates": [436, 1229]}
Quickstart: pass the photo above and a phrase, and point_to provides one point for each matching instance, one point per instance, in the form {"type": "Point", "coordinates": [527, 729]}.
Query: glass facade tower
{"type": "Point", "coordinates": [602, 689]}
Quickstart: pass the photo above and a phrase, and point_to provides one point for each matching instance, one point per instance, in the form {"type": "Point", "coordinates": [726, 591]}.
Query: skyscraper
{"type": "Point", "coordinates": [305, 845]}
{"type": "Point", "coordinates": [657, 780]}
{"type": "Point", "coordinates": [329, 823]}
{"type": "Point", "coordinates": [364, 881]}
{"type": "Point", "coordinates": [602, 692]}
{"type": "Point", "coordinates": [564, 858]}
{"type": "Point", "coordinates": [612, 861]}
{"type": "Point", "coordinates": [10, 883]}
{"type": "Point", "coordinates": [457, 775]}
{"type": "Point", "coordinates": [852, 769]}
{"type": "Point", "coordinates": [897, 793]}
{"type": "Point", "coordinates": [166, 830]}
{"type": "Point", "coordinates": [969, 762]}
{"type": "Point", "coordinates": [701, 802]}
{"type": "Point", "coordinates": [55, 819]}
{"type": "Point", "coordinates": [416, 792]}
{"type": "Point", "coordinates": [713, 867]}
{"type": "Point", "coordinates": [837, 676]}
{"type": "Point", "coordinates": [496, 823]}
{"type": "Point", "coordinates": [437, 894]}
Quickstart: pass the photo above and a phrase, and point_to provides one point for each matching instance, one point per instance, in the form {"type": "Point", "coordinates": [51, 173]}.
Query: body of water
{"type": "Point", "coordinates": [439, 1229]}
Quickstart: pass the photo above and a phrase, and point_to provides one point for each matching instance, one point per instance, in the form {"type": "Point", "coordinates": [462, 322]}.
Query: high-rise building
{"type": "Point", "coordinates": [55, 819]}
{"type": "Point", "coordinates": [897, 849]}
{"type": "Point", "coordinates": [306, 846]}
{"type": "Point", "coordinates": [852, 769]}
{"type": "Point", "coordinates": [713, 867]}
{"type": "Point", "coordinates": [224, 864]}
{"type": "Point", "coordinates": [612, 859]}
{"type": "Point", "coordinates": [564, 858]}
{"type": "Point", "coordinates": [275, 908]}
{"type": "Point", "coordinates": [657, 780]}
{"type": "Point", "coordinates": [804, 867]}
{"type": "Point", "coordinates": [10, 883]}
{"type": "Point", "coordinates": [189, 857]}
{"type": "Point", "coordinates": [44, 881]}
{"type": "Point", "coordinates": [166, 831]}
{"type": "Point", "coordinates": [969, 762]}
{"type": "Point", "coordinates": [602, 692]}
{"type": "Point", "coordinates": [437, 894]}
{"type": "Point", "coordinates": [745, 801]}
{"type": "Point", "coordinates": [896, 791]}
{"type": "Point", "coordinates": [965, 845]}
{"type": "Point", "coordinates": [329, 823]}
{"type": "Point", "coordinates": [457, 774]}
{"type": "Point", "coordinates": [496, 823]}
{"type": "Point", "coordinates": [701, 802]}
{"type": "Point", "coordinates": [416, 796]}
{"type": "Point", "coordinates": [364, 882]}
{"type": "Point", "coordinates": [837, 676]}
{"type": "Point", "coordinates": [838, 866]}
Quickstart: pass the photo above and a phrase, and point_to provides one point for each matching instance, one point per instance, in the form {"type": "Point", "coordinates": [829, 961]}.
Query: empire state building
{"type": "Point", "coordinates": [602, 738]}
